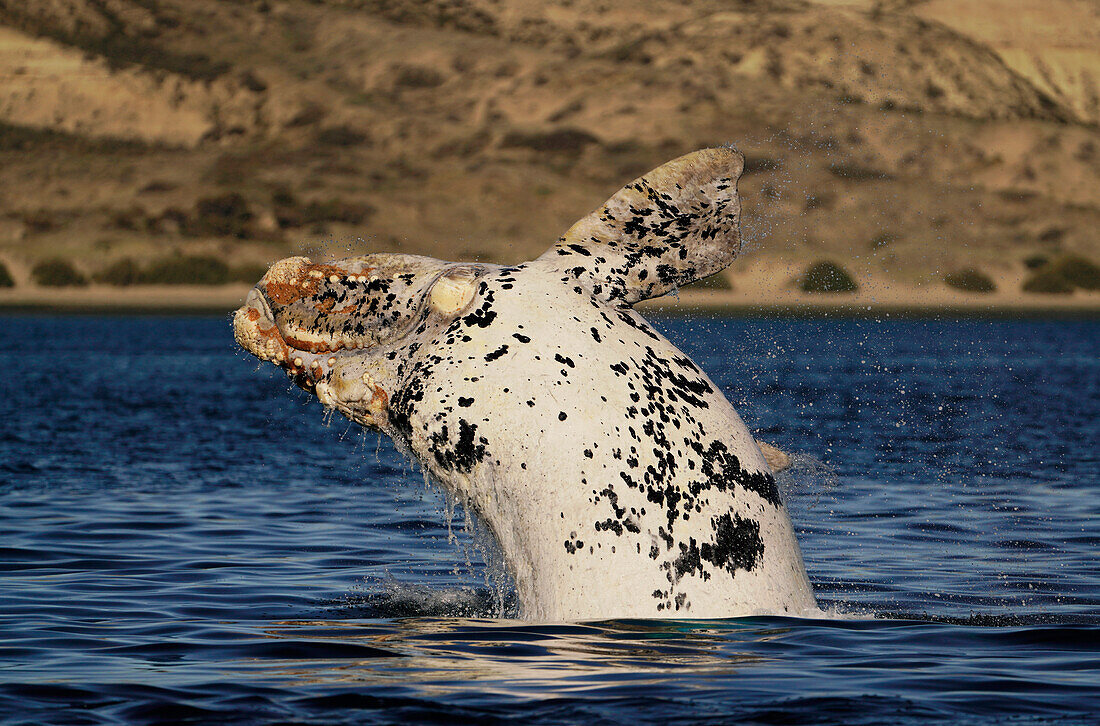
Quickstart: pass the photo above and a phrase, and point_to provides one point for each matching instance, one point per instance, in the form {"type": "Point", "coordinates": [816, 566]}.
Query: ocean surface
{"type": "Point", "coordinates": [184, 537]}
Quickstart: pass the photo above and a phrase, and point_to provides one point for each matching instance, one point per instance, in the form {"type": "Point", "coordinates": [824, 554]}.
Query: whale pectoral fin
{"type": "Point", "coordinates": [678, 223]}
{"type": "Point", "coordinates": [778, 460]}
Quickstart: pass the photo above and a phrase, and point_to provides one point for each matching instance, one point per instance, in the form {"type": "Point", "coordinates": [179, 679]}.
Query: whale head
{"type": "Point", "coordinates": [325, 323]}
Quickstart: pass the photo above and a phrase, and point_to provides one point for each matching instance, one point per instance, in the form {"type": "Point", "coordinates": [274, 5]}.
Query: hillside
{"type": "Point", "coordinates": [903, 139]}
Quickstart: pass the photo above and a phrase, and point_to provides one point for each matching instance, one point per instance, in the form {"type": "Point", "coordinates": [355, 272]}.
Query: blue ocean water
{"type": "Point", "coordinates": [186, 538]}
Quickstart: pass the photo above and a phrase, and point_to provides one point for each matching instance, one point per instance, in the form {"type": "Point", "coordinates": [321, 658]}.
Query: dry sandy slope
{"type": "Point", "coordinates": [878, 134]}
{"type": "Point", "coordinates": [1054, 44]}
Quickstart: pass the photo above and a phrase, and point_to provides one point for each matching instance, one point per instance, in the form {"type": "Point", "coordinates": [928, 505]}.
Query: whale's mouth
{"type": "Point", "coordinates": [301, 313]}
{"type": "Point", "coordinates": [304, 316]}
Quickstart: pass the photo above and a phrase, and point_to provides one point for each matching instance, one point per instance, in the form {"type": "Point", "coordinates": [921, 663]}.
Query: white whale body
{"type": "Point", "coordinates": [616, 477]}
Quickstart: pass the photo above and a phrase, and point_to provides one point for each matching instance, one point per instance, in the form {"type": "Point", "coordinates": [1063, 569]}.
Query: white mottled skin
{"type": "Point", "coordinates": [536, 436]}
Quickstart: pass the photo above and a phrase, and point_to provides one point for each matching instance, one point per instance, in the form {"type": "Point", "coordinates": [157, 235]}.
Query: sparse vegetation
{"type": "Point", "coordinates": [717, 281]}
{"type": "Point", "coordinates": [58, 272]}
{"type": "Point", "coordinates": [226, 215]}
{"type": "Point", "coordinates": [566, 140]}
{"type": "Point", "coordinates": [818, 200]}
{"type": "Point", "coordinates": [14, 137]}
{"type": "Point", "coordinates": [757, 164]}
{"type": "Point", "coordinates": [1035, 262]}
{"type": "Point", "coordinates": [290, 212]}
{"type": "Point", "coordinates": [132, 219]}
{"type": "Point", "coordinates": [181, 270]}
{"type": "Point", "coordinates": [117, 44]}
{"type": "Point", "coordinates": [1078, 271]}
{"type": "Point", "coordinates": [970, 280]}
{"type": "Point", "coordinates": [1047, 282]}
{"type": "Point", "coordinates": [311, 113]}
{"type": "Point", "coordinates": [247, 273]}
{"type": "Point", "coordinates": [409, 76]}
{"type": "Point", "coordinates": [122, 273]}
{"type": "Point", "coordinates": [340, 136]}
{"type": "Point", "coordinates": [881, 240]}
{"type": "Point", "coordinates": [187, 270]}
{"type": "Point", "coordinates": [1051, 235]}
{"type": "Point", "coordinates": [1063, 275]}
{"type": "Point", "coordinates": [856, 172]}
{"type": "Point", "coordinates": [336, 210]}
{"type": "Point", "coordinates": [6, 280]}
{"type": "Point", "coordinates": [40, 220]}
{"type": "Point", "coordinates": [827, 276]}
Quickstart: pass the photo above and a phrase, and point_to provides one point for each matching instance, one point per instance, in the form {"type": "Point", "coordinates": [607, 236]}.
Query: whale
{"type": "Point", "coordinates": [613, 473]}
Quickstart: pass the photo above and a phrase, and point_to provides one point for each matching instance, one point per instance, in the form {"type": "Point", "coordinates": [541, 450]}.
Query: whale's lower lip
{"type": "Point", "coordinates": [255, 329]}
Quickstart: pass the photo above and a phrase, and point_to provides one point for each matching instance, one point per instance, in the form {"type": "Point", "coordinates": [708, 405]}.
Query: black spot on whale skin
{"type": "Point", "coordinates": [723, 471]}
{"type": "Point", "coordinates": [460, 454]}
{"type": "Point", "coordinates": [564, 360]}
{"type": "Point", "coordinates": [610, 525]}
{"type": "Point", "coordinates": [637, 325]}
{"type": "Point", "coordinates": [403, 404]}
{"type": "Point", "coordinates": [736, 546]}
{"type": "Point", "coordinates": [480, 317]}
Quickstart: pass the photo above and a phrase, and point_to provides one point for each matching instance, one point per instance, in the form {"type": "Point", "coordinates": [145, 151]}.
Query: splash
{"type": "Point", "coordinates": [388, 597]}
{"type": "Point", "coordinates": [807, 483]}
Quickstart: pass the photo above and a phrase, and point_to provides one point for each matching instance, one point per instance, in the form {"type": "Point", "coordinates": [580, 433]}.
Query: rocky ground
{"type": "Point", "coordinates": [903, 140]}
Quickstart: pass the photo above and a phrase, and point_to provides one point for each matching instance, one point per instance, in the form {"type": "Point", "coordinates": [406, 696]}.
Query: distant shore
{"type": "Point", "coordinates": [744, 299]}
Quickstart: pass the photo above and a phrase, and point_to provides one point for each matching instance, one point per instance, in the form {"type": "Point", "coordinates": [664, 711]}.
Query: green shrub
{"type": "Point", "coordinates": [881, 240]}
{"type": "Point", "coordinates": [406, 76]}
{"type": "Point", "coordinates": [827, 276]}
{"type": "Point", "coordinates": [1052, 234]}
{"type": "Point", "coordinates": [717, 281]}
{"type": "Point", "coordinates": [819, 200]}
{"type": "Point", "coordinates": [289, 212]}
{"type": "Point", "coordinates": [340, 136]}
{"type": "Point", "coordinates": [566, 140]}
{"type": "Point", "coordinates": [194, 270]}
{"type": "Point", "coordinates": [287, 209]}
{"type": "Point", "coordinates": [120, 274]}
{"type": "Point", "coordinates": [6, 279]}
{"type": "Point", "coordinates": [310, 114]}
{"type": "Point", "coordinates": [40, 220]}
{"type": "Point", "coordinates": [247, 273]}
{"type": "Point", "coordinates": [855, 172]}
{"type": "Point", "coordinates": [970, 280]}
{"type": "Point", "coordinates": [757, 164]}
{"type": "Point", "coordinates": [227, 215]}
{"type": "Point", "coordinates": [336, 210]}
{"type": "Point", "coordinates": [1049, 282]}
{"type": "Point", "coordinates": [58, 272]}
{"type": "Point", "coordinates": [1078, 271]}
{"type": "Point", "coordinates": [132, 219]}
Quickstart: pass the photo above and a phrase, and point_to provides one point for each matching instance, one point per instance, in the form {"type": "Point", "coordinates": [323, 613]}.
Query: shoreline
{"type": "Point", "coordinates": [899, 300]}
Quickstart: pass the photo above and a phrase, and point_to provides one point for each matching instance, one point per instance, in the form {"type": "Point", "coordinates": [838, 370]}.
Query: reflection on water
{"type": "Point", "coordinates": [517, 659]}
{"type": "Point", "coordinates": [183, 538]}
